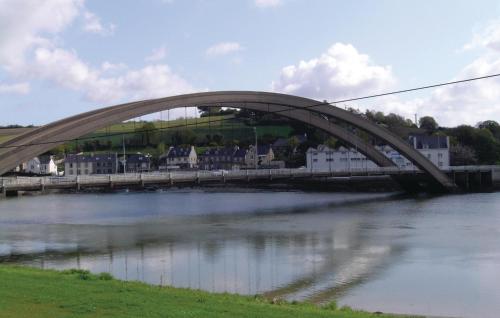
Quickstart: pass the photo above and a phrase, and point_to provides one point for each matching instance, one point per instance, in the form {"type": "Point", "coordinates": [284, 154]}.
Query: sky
{"type": "Point", "coordinates": [63, 57]}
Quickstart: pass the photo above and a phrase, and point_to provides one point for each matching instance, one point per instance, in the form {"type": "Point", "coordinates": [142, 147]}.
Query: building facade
{"type": "Point", "coordinates": [435, 148]}
{"type": "Point", "coordinates": [179, 158]}
{"type": "Point", "coordinates": [260, 157]}
{"type": "Point", "coordinates": [229, 158]}
{"type": "Point", "coordinates": [48, 165]}
{"type": "Point", "coordinates": [41, 165]}
{"type": "Point", "coordinates": [90, 164]}
{"type": "Point", "coordinates": [137, 163]}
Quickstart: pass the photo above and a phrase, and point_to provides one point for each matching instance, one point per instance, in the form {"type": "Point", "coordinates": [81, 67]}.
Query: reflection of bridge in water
{"type": "Point", "coordinates": [223, 253]}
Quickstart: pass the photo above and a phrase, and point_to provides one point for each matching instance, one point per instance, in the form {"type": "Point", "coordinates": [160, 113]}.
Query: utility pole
{"type": "Point", "coordinates": [416, 121]}
{"type": "Point", "coordinates": [256, 149]}
{"type": "Point", "coordinates": [124, 156]}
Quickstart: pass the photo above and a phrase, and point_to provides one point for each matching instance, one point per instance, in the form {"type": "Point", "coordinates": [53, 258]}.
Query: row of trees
{"type": "Point", "coordinates": [478, 144]}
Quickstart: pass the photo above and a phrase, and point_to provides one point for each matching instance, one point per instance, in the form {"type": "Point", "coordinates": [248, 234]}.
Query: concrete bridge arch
{"type": "Point", "coordinates": [312, 112]}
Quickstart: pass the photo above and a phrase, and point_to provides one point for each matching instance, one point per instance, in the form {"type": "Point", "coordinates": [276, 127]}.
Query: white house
{"type": "Point", "coordinates": [435, 148]}
{"type": "Point", "coordinates": [32, 166]}
{"type": "Point", "coordinates": [48, 165]}
{"type": "Point", "coordinates": [179, 158]}
{"type": "Point", "coordinates": [40, 165]}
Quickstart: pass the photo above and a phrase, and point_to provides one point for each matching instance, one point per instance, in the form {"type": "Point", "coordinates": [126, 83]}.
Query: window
{"type": "Point", "coordinates": [71, 165]}
{"type": "Point", "coordinates": [98, 170]}
{"type": "Point", "coordinates": [110, 171]}
{"type": "Point", "coordinates": [315, 160]}
{"type": "Point", "coordinates": [428, 156]}
{"type": "Point", "coordinates": [440, 155]}
{"type": "Point", "coordinates": [86, 171]}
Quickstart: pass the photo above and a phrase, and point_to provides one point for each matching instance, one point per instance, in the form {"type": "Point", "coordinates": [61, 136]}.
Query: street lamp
{"type": "Point", "coordinates": [256, 149]}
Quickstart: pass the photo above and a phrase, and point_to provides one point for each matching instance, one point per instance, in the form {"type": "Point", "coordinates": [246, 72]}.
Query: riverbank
{"type": "Point", "coordinates": [28, 292]}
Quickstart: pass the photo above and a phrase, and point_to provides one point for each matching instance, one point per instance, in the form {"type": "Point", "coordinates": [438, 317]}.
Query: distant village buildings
{"type": "Point", "coordinates": [137, 163]}
{"type": "Point", "coordinates": [262, 156]}
{"type": "Point", "coordinates": [90, 164]}
{"type": "Point", "coordinates": [41, 165]}
{"type": "Point", "coordinates": [228, 158]}
{"type": "Point", "coordinates": [434, 148]}
{"type": "Point", "coordinates": [179, 158]}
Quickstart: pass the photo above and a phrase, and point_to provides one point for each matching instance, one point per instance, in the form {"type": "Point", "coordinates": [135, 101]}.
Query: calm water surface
{"type": "Point", "coordinates": [379, 252]}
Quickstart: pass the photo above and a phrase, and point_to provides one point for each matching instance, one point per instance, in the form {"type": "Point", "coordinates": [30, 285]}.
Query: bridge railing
{"type": "Point", "coordinates": [199, 175]}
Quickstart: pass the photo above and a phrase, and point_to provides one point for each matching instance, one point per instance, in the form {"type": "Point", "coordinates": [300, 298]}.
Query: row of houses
{"type": "Point", "coordinates": [434, 148]}
{"type": "Point", "coordinates": [176, 158]}
{"type": "Point", "coordinates": [227, 158]}
{"type": "Point", "coordinates": [78, 164]}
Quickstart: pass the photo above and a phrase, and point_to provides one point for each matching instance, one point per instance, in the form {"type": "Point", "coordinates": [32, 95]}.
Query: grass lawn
{"type": "Point", "coordinates": [27, 292]}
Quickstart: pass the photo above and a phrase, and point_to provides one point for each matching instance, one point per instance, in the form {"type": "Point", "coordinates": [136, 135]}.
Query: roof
{"type": "Point", "coordinates": [283, 142]}
{"type": "Point", "coordinates": [213, 152]}
{"type": "Point", "coordinates": [240, 153]}
{"type": "Point", "coordinates": [45, 160]}
{"type": "Point", "coordinates": [429, 142]}
{"type": "Point", "coordinates": [262, 150]}
{"type": "Point", "coordinates": [73, 158]}
{"type": "Point", "coordinates": [176, 152]}
{"type": "Point", "coordinates": [138, 158]}
{"type": "Point", "coordinates": [324, 148]}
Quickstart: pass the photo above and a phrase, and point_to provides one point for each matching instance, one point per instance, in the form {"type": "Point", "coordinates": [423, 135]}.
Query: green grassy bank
{"type": "Point", "coordinates": [27, 292]}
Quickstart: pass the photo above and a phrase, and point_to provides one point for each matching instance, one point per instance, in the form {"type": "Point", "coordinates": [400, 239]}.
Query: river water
{"type": "Point", "coordinates": [378, 252]}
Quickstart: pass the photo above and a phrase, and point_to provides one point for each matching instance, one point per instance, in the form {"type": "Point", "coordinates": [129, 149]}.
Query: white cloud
{"type": "Point", "coordinates": [341, 72]}
{"type": "Point", "coordinates": [471, 102]}
{"type": "Point", "coordinates": [268, 3]}
{"type": "Point", "coordinates": [158, 54]}
{"type": "Point", "coordinates": [29, 51]}
{"type": "Point", "coordinates": [111, 67]}
{"type": "Point", "coordinates": [467, 103]}
{"type": "Point", "coordinates": [25, 24]}
{"type": "Point", "coordinates": [92, 23]}
{"type": "Point", "coordinates": [67, 70]}
{"type": "Point", "coordinates": [17, 88]}
{"type": "Point", "coordinates": [223, 48]}
{"type": "Point", "coordinates": [488, 37]}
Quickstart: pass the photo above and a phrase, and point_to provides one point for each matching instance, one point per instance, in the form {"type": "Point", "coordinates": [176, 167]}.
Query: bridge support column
{"type": "Point", "coordinates": [10, 193]}
{"type": "Point", "coordinates": [141, 181]}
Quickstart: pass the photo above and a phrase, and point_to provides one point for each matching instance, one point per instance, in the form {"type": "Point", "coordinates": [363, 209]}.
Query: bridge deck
{"type": "Point", "coordinates": [195, 177]}
{"type": "Point", "coordinates": [159, 178]}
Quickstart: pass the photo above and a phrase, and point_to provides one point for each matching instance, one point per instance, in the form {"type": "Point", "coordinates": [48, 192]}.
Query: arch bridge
{"type": "Point", "coordinates": [317, 114]}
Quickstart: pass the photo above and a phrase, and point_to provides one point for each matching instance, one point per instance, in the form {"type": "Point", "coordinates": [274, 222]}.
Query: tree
{"type": "Point", "coordinates": [428, 123]}
{"type": "Point", "coordinates": [184, 137]}
{"type": "Point", "coordinates": [206, 111]}
{"type": "Point", "coordinates": [292, 144]}
{"type": "Point", "coordinates": [492, 126]}
{"type": "Point", "coordinates": [148, 134]}
{"type": "Point", "coordinates": [461, 155]}
{"type": "Point", "coordinates": [331, 142]}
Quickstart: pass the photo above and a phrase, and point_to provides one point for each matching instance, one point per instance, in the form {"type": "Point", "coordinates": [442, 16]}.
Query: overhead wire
{"type": "Point", "coordinates": [288, 108]}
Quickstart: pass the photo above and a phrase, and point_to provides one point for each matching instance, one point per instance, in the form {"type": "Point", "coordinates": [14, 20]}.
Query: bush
{"type": "Point", "coordinates": [331, 305]}
{"type": "Point", "coordinates": [105, 276]}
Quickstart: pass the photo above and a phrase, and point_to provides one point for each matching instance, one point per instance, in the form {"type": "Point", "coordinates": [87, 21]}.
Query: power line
{"type": "Point", "coordinates": [274, 112]}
